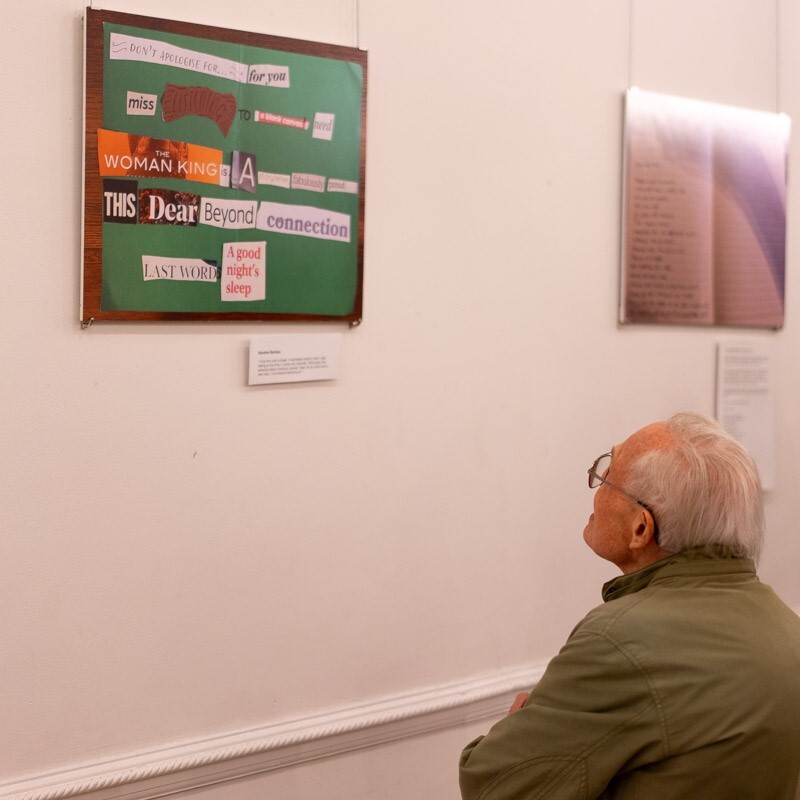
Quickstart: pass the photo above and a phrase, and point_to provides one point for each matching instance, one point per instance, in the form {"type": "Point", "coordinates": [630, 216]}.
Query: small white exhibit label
{"type": "Point", "coordinates": [290, 358]}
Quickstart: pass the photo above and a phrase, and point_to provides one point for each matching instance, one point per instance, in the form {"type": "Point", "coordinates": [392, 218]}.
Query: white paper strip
{"type": "Point", "coordinates": [744, 400]}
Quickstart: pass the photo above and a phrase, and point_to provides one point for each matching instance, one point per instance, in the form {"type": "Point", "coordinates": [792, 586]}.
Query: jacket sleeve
{"type": "Point", "coordinates": [593, 715]}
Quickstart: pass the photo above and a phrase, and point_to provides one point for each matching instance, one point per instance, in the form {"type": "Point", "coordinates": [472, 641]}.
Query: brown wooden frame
{"type": "Point", "coordinates": [91, 283]}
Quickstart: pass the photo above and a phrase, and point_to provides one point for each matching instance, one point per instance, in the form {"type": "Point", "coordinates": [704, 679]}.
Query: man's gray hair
{"type": "Point", "coordinates": [703, 488]}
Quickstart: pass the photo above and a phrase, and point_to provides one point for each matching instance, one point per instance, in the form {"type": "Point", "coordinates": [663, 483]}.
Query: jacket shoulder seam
{"type": "Point", "coordinates": [654, 695]}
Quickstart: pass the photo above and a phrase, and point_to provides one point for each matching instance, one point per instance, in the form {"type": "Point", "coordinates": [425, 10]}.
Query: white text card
{"type": "Point", "coordinates": [244, 271]}
{"type": "Point", "coordinates": [287, 358]}
{"type": "Point", "coordinates": [744, 400]}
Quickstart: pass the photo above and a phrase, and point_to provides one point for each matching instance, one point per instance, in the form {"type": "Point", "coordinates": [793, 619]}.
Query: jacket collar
{"type": "Point", "coordinates": [710, 559]}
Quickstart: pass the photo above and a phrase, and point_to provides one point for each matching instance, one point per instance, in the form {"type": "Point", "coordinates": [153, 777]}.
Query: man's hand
{"type": "Point", "coordinates": [519, 701]}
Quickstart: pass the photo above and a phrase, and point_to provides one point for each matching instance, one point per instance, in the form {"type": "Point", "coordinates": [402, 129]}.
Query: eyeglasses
{"type": "Point", "coordinates": [597, 475]}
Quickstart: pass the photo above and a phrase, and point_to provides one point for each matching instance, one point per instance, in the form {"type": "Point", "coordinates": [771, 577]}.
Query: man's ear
{"type": "Point", "coordinates": [643, 530]}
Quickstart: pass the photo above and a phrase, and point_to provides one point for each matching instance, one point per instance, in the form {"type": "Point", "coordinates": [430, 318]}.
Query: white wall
{"type": "Point", "coordinates": [186, 556]}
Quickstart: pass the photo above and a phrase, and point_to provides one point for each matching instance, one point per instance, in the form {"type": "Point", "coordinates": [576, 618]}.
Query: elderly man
{"type": "Point", "coordinates": [685, 683]}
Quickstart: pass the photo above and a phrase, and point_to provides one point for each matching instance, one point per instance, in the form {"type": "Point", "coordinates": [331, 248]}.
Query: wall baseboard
{"type": "Point", "coordinates": [204, 762]}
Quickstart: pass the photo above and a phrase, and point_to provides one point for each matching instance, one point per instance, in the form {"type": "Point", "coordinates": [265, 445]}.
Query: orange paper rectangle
{"type": "Point", "coordinates": [139, 156]}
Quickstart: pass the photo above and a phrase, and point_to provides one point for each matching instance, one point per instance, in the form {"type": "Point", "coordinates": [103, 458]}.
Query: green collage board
{"type": "Point", "coordinates": [305, 274]}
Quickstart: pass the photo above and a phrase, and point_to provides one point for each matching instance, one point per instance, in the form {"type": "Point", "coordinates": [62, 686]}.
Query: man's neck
{"type": "Point", "coordinates": [644, 558]}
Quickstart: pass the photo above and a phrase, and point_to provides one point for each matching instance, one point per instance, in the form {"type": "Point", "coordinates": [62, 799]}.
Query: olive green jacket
{"type": "Point", "coordinates": [685, 684]}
